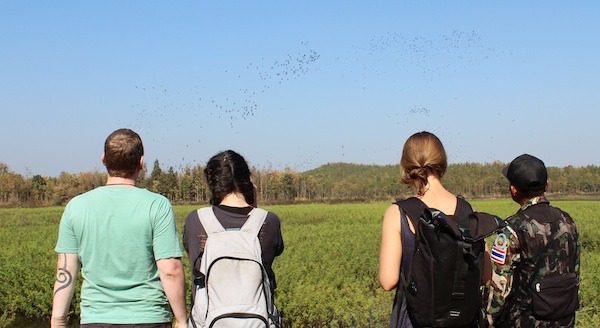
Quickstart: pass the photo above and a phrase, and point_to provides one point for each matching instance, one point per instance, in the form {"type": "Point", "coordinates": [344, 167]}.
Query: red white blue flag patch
{"type": "Point", "coordinates": [498, 255]}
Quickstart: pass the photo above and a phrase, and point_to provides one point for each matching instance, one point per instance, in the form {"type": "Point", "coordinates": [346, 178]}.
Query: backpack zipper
{"type": "Point", "coordinates": [240, 316]}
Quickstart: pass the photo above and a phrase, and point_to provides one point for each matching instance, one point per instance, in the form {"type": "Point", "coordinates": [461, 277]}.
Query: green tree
{"type": "Point", "coordinates": [38, 189]}
{"type": "Point", "coordinates": [169, 185]}
{"type": "Point", "coordinates": [12, 188]}
{"type": "Point", "coordinates": [143, 180]}
{"type": "Point", "coordinates": [65, 188]}
{"type": "Point", "coordinates": [288, 189]}
{"type": "Point", "coordinates": [155, 177]}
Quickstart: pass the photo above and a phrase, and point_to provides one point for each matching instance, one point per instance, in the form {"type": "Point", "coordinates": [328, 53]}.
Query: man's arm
{"type": "Point", "coordinates": [504, 258]}
{"type": "Point", "coordinates": [173, 281]}
{"type": "Point", "coordinates": [67, 268]}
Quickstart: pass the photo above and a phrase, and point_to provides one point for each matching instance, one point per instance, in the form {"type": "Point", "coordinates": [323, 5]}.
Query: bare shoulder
{"type": "Point", "coordinates": [391, 218]}
{"type": "Point", "coordinates": [393, 209]}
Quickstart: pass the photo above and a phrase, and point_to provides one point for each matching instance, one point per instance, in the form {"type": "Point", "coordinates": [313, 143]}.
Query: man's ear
{"type": "Point", "coordinates": [103, 159]}
{"type": "Point", "coordinates": [141, 163]}
{"type": "Point", "coordinates": [513, 191]}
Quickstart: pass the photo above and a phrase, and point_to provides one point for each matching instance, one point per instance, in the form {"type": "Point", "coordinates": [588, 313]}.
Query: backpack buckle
{"type": "Point", "coordinates": [199, 280]}
{"type": "Point", "coordinates": [412, 288]}
{"type": "Point", "coordinates": [458, 295]}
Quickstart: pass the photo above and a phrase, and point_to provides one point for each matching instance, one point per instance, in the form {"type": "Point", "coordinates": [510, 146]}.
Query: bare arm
{"type": "Point", "coordinates": [391, 249]}
{"type": "Point", "coordinates": [487, 266]}
{"type": "Point", "coordinates": [67, 268]}
{"type": "Point", "coordinates": [173, 281]}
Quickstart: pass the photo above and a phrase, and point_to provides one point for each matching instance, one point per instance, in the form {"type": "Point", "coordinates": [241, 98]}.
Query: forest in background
{"type": "Point", "coordinates": [336, 182]}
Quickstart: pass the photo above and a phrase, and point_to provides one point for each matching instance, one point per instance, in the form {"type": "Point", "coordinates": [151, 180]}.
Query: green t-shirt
{"type": "Point", "coordinates": [119, 233]}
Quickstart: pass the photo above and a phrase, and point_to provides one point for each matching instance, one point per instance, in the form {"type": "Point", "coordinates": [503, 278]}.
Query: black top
{"type": "Point", "coordinates": [271, 241]}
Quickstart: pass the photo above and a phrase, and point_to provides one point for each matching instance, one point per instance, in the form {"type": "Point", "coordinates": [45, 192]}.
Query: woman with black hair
{"type": "Point", "coordinates": [232, 199]}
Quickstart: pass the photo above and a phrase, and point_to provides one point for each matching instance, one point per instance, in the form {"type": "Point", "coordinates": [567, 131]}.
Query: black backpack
{"type": "Point", "coordinates": [443, 286]}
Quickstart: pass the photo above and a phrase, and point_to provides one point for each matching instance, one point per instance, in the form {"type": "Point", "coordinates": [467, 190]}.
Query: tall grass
{"type": "Point", "coordinates": [327, 275]}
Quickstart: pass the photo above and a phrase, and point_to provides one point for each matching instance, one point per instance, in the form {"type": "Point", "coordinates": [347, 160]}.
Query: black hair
{"type": "Point", "coordinates": [532, 193]}
{"type": "Point", "coordinates": [228, 172]}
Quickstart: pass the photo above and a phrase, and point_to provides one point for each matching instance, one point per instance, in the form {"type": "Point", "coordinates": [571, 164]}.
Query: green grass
{"type": "Point", "coordinates": [327, 275]}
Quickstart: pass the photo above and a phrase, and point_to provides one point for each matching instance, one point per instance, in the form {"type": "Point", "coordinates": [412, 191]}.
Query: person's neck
{"type": "Point", "coordinates": [118, 181]}
{"type": "Point", "coordinates": [436, 196]}
{"type": "Point", "coordinates": [234, 199]}
{"type": "Point", "coordinates": [434, 187]}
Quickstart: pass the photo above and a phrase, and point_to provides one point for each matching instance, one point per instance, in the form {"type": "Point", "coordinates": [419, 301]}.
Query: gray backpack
{"type": "Point", "coordinates": [235, 290]}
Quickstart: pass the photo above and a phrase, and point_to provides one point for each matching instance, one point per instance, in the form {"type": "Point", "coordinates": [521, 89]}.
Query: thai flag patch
{"type": "Point", "coordinates": [498, 255]}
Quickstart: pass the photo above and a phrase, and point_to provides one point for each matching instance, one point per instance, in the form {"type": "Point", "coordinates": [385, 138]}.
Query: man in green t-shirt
{"type": "Point", "coordinates": [126, 242]}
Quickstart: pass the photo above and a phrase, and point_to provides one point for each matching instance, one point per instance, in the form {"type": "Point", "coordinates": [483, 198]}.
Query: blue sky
{"type": "Point", "coordinates": [298, 83]}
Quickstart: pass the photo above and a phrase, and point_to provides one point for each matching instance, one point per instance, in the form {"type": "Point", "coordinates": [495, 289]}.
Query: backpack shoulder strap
{"type": "Point", "coordinates": [413, 207]}
{"type": "Point", "coordinates": [255, 221]}
{"type": "Point", "coordinates": [209, 221]}
{"type": "Point", "coordinates": [463, 210]}
{"type": "Point", "coordinates": [409, 241]}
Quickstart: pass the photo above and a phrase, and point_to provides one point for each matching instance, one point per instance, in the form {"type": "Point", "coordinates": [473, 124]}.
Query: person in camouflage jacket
{"type": "Point", "coordinates": [539, 241]}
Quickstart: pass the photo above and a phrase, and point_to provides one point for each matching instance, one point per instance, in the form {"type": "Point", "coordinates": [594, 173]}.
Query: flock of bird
{"type": "Point", "coordinates": [390, 54]}
{"type": "Point", "coordinates": [232, 104]}
{"type": "Point", "coordinates": [427, 58]}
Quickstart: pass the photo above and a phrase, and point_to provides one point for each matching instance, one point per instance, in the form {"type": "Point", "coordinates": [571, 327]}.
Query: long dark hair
{"type": "Point", "coordinates": [228, 172]}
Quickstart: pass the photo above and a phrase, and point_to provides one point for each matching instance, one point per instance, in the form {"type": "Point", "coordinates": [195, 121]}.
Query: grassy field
{"type": "Point", "coordinates": [326, 275]}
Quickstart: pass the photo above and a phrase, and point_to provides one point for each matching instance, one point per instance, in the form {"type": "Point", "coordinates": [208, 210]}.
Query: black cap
{"type": "Point", "coordinates": [527, 173]}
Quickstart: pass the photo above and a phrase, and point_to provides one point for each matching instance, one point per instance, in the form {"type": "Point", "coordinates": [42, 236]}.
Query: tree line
{"type": "Point", "coordinates": [337, 182]}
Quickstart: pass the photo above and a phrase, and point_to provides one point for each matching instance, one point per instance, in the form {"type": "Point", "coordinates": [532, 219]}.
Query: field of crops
{"type": "Point", "coordinates": [327, 275]}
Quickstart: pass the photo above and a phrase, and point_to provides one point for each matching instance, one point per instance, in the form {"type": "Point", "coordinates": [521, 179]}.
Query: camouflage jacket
{"type": "Point", "coordinates": [538, 240]}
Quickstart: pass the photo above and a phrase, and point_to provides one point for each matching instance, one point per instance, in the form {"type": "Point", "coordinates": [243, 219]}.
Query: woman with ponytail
{"type": "Point", "coordinates": [232, 198]}
{"type": "Point", "coordinates": [423, 163]}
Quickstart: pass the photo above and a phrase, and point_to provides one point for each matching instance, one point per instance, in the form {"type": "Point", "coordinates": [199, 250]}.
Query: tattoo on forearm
{"type": "Point", "coordinates": [63, 276]}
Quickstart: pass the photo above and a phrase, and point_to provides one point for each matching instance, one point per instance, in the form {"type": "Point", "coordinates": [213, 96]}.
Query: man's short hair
{"type": "Point", "coordinates": [123, 150]}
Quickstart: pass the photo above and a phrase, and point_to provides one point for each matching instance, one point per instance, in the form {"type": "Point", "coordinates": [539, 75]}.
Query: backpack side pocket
{"type": "Point", "coordinates": [555, 297]}
{"type": "Point", "coordinates": [199, 310]}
